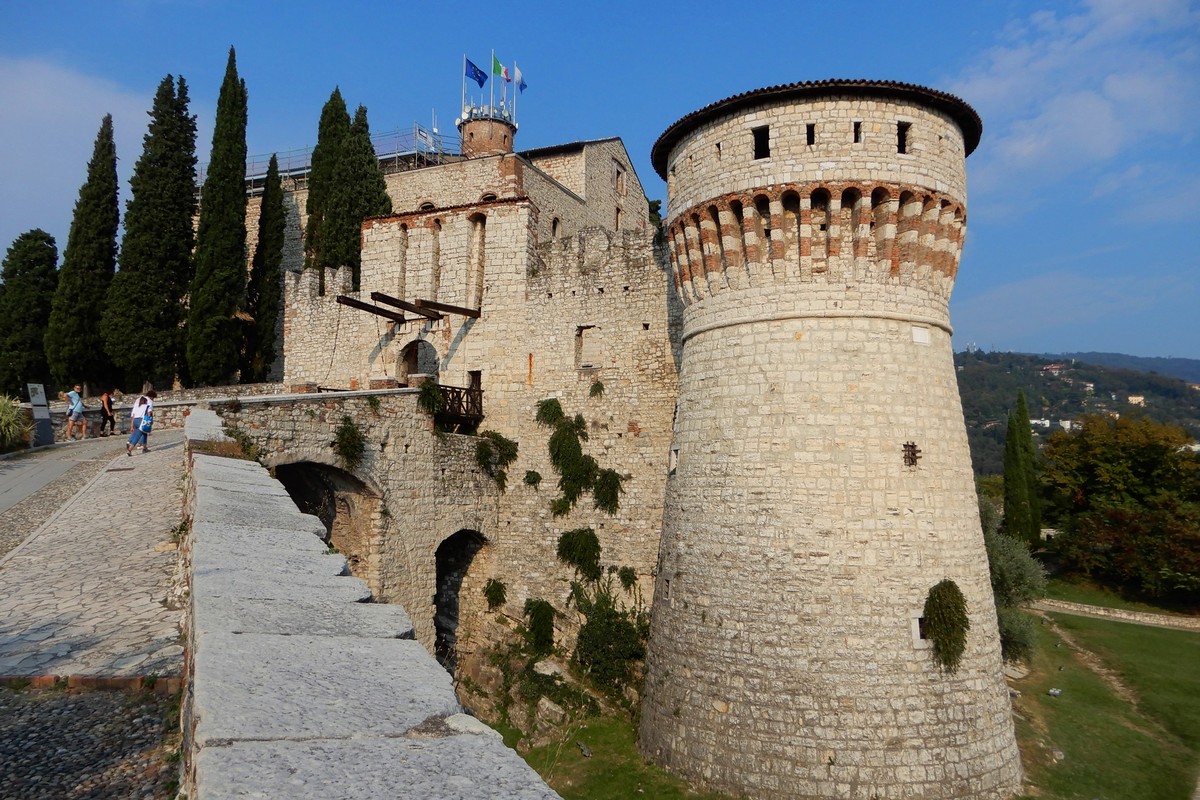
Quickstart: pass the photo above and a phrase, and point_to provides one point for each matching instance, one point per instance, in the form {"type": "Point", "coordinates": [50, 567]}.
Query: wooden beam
{"type": "Point", "coordinates": [360, 305]}
{"type": "Point", "coordinates": [380, 297]}
{"type": "Point", "coordinates": [473, 313]}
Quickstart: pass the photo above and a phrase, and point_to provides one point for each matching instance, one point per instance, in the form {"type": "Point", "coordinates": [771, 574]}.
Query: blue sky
{"type": "Point", "coordinates": [1084, 195]}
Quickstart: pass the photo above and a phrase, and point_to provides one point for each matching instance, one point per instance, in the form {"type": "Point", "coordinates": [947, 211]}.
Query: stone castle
{"type": "Point", "coordinates": [772, 376]}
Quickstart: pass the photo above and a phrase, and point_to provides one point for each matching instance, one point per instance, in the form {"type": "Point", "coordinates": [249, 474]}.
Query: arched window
{"type": "Point", "coordinates": [554, 228]}
{"type": "Point", "coordinates": [476, 260]}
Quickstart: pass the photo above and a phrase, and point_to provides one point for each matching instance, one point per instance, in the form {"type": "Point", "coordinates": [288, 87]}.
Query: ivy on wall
{"type": "Point", "coordinates": [947, 623]}
{"type": "Point", "coordinates": [578, 472]}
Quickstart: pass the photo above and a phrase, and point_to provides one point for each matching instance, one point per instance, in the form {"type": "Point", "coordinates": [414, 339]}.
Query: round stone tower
{"type": "Point", "coordinates": [822, 480]}
{"type": "Point", "coordinates": [486, 131]}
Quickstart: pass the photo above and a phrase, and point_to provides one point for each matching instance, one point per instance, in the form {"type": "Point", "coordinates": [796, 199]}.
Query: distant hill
{"type": "Point", "coordinates": [1058, 389]}
{"type": "Point", "coordinates": [1186, 369]}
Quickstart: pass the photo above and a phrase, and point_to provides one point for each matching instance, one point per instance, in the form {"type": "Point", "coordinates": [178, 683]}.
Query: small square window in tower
{"type": "Point", "coordinates": [587, 347]}
{"type": "Point", "coordinates": [762, 141]}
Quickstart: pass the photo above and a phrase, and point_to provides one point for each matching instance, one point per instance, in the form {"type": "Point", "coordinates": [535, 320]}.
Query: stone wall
{"type": "Point", "coordinates": [292, 681]}
{"type": "Point", "coordinates": [823, 482]}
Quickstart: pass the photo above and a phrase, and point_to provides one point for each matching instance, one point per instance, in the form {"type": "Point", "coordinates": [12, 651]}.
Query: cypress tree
{"type": "Point", "coordinates": [143, 320]}
{"type": "Point", "coordinates": [1020, 480]}
{"type": "Point", "coordinates": [357, 191]}
{"type": "Point", "coordinates": [262, 292]}
{"type": "Point", "coordinates": [30, 275]}
{"type": "Point", "coordinates": [331, 139]}
{"type": "Point", "coordinates": [1029, 467]}
{"type": "Point", "coordinates": [73, 342]}
{"type": "Point", "coordinates": [213, 333]}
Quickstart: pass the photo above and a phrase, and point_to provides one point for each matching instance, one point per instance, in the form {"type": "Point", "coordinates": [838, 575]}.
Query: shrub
{"type": "Point", "coordinates": [1017, 577]}
{"type": "Point", "coordinates": [244, 442]}
{"type": "Point", "coordinates": [495, 592]}
{"type": "Point", "coordinates": [539, 636]}
{"type": "Point", "coordinates": [1016, 633]}
{"type": "Point", "coordinates": [597, 389]}
{"type": "Point", "coordinates": [373, 402]}
{"type": "Point", "coordinates": [15, 426]}
{"type": "Point", "coordinates": [609, 643]}
{"type": "Point", "coordinates": [533, 478]}
{"type": "Point", "coordinates": [946, 623]}
{"type": "Point", "coordinates": [349, 443]}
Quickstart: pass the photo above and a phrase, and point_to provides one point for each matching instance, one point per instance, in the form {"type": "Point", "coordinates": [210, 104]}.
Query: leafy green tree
{"type": "Point", "coordinates": [218, 287]}
{"type": "Point", "coordinates": [1125, 495]}
{"type": "Point", "coordinates": [30, 275]}
{"type": "Point", "coordinates": [263, 292]}
{"type": "Point", "coordinates": [332, 131]}
{"type": "Point", "coordinates": [357, 191]}
{"type": "Point", "coordinates": [73, 343]}
{"type": "Point", "coordinates": [142, 324]}
{"type": "Point", "coordinates": [1022, 515]}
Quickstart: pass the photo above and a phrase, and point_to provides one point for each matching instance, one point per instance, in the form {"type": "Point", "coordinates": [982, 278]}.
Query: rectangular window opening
{"type": "Point", "coordinates": [810, 133]}
{"type": "Point", "coordinates": [762, 141]}
{"type": "Point", "coordinates": [857, 132]}
{"type": "Point", "coordinates": [902, 136]}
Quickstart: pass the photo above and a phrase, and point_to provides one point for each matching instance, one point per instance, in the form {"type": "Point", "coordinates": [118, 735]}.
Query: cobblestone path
{"type": "Point", "coordinates": [82, 600]}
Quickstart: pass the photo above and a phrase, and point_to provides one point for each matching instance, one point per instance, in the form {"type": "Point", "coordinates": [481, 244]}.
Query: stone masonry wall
{"type": "Point", "coordinates": [823, 482]}
{"type": "Point", "coordinates": [294, 685]}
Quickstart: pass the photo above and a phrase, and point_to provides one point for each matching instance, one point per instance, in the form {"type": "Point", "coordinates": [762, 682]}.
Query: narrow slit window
{"type": "Point", "coordinates": [810, 133]}
{"type": "Point", "coordinates": [857, 132]}
{"type": "Point", "coordinates": [902, 136]}
{"type": "Point", "coordinates": [762, 141]}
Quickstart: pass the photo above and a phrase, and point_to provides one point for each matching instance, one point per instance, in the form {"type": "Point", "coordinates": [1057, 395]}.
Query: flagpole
{"type": "Point", "coordinates": [516, 91]}
{"type": "Point", "coordinates": [462, 106]}
{"type": "Point", "coordinates": [492, 90]}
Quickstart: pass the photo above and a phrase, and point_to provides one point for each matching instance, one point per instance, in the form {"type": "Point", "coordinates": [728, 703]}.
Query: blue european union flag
{"type": "Point", "coordinates": [476, 74]}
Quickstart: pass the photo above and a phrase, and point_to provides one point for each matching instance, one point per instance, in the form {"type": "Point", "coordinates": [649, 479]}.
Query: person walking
{"type": "Point", "coordinates": [75, 413]}
{"type": "Point", "coordinates": [106, 413]}
{"type": "Point", "coordinates": [142, 407]}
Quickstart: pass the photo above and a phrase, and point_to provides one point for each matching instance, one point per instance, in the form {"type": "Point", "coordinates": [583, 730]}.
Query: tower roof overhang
{"type": "Point", "coordinates": [963, 115]}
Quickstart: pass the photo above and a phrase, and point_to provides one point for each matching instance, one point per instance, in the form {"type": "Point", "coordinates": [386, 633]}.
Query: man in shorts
{"type": "Point", "coordinates": [75, 413]}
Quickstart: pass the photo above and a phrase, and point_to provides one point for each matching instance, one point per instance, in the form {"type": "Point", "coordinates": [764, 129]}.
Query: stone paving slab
{"type": "Point", "coordinates": [208, 558]}
{"type": "Point", "coordinates": [301, 617]}
{"type": "Point", "coordinates": [250, 585]}
{"type": "Point", "coordinates": [261, 686]}
{"type": "Point", "coordinates": [85, 594]}
{"type": "Point", "coordinates": [462, 767]}
{"type": "Point", "coordinates": [305, 537]}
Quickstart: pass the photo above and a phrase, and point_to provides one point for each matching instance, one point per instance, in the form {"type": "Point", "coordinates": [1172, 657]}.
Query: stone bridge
{"type": "Point", "coordinates": [295, 684]}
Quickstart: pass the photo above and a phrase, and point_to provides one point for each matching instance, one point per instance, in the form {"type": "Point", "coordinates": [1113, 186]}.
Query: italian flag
{"type": "Point", "coordinates": [500, 69]}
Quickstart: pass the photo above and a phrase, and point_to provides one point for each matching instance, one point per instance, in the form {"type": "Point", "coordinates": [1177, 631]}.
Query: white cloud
{"type": "Point", "coordinates": [47, 131]}
{"type": "Point", "coordinates": [1063, 94]}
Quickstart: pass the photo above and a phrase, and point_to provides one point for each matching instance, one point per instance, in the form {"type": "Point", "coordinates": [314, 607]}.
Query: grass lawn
{"type": "Point", "coordinates": [615, 771]}
{"type": "Point", "coordinates": [1079, 591]}
{"type": "Point", "coordinates": [1091, 743]}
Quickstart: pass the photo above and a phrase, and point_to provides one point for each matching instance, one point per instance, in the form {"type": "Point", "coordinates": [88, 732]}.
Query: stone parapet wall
{"type": "Point", "coordinates": [295, 684]}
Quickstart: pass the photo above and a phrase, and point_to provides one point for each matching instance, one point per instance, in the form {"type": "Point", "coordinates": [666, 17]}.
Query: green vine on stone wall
{"type": "Point", "coordinates": [496, 593]}
{"type": "Point", "coordinates": [349, 443]}
{"type": "Point", "coordinates": [494, 453]}
{"type": "Point", "coordinates": [580, 549]}
{"type": "Point", "coordinates": [430, 398]}
{"type": "Point", "coordinates": [533, 478]}
{"type": "Point", "coordinates": [578, 472]}
{"type": "Point", "coordinates": [597, 389]}
{"type": "Point", "coordinates": [947, 623]}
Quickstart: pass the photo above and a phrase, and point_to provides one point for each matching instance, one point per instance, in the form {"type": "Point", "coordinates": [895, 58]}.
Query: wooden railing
{"type": "Point", "coordinates": [463, 406]}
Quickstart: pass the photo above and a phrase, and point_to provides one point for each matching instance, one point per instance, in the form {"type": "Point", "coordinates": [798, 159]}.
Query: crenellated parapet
{"type": "Point", "coordinates": [796, 233]}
